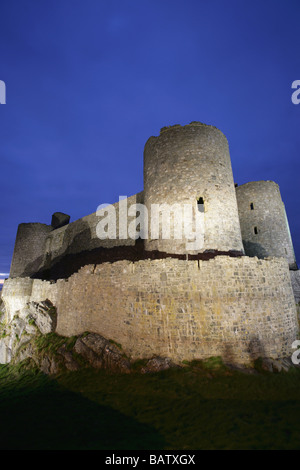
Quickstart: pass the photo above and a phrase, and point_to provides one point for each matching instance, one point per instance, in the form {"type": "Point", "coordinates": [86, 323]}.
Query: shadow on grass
{"type": "Point", "coordinates": [50, 417]}
{"type": "Point", "coordinates": [200, 407]}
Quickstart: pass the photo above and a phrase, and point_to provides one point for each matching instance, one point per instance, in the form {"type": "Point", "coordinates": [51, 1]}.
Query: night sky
{"type": "Point", "coordinates": [89, 81]}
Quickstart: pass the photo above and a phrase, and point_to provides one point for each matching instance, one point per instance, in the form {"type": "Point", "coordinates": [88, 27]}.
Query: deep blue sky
{"type": "Point", "coordinates": [88, 81]}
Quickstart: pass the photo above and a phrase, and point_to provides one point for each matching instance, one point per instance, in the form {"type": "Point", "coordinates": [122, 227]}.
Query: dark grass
{"type": "Point", "coordinates": [198, 407]}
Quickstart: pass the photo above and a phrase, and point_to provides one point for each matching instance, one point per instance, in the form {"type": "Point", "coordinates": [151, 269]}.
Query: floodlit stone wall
{"type": "Point", "coordinates": [38, 246]}
{"type": "Point", "coordinates": [238, 308]}
{"type": "Point", "coordinates": [81, 235]}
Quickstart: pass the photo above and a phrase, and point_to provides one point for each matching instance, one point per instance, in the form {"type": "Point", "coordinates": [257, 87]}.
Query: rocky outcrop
{"type": "Point", "coordinates": [101, 353]}
{"type": "Point", "coordinates": [16, 334]}
{"type": "Point", "coordinates": [30, 335]}
{"type": "Point", "coordinates": [87, 350]}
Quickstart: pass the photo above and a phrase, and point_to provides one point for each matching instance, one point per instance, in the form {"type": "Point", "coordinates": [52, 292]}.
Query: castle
{"type": "Point", "coordinates": [233, 296]}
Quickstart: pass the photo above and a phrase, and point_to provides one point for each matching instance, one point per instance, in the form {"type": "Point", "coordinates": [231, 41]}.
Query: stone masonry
{"type": "Point", "coordinates": [264, 224]}
{"type": "Point", "coordinates": [238, 308]}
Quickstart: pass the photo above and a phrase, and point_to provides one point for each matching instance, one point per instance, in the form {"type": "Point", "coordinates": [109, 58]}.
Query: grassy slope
{"type": "Point", "coordinates": [194, 408]}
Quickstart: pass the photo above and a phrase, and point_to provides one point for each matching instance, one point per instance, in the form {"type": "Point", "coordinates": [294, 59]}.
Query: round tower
{"type": "Point", "coordinates": [263, 219]}
{"type": "Point", "coordinates": [29, 251]}
{"type": "Point", "coordinates": [189, 167]}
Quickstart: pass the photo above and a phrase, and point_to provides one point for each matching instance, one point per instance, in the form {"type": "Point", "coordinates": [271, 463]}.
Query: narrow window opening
{"type": "Point", "coordinates": [255, 230]}
{"type": "Point", "coordinates": [200, 203]}
{"type": "Point", "coordinates": [252, 206]}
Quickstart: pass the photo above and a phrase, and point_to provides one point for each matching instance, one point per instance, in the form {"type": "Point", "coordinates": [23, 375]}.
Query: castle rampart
{"type": "Point", "coordinates": [238, 308]}
{"type": "Point", "coordinates": [40, 246]}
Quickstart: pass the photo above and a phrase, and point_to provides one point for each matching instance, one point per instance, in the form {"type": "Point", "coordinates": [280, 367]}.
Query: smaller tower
{"type": "Point", "coordinates": [264, 223]}
{"type": "Point", "coordinates": [28, 256]}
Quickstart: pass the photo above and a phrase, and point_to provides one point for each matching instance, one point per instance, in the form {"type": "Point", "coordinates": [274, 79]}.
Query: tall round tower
{"type": "Point", "coordinates": [189, 167]}
{"type": "Point", "coordinates": [263, 219]}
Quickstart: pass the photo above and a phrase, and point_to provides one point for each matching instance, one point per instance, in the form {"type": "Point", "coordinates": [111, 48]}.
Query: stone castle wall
{"type": "Point", "coordinates": [38, 246]}
{"type": "Point", "coordinates": [184, 164]}
{"type": "Point", "coordinates": [81, 235]}
{"type": "Point", "coordinates": [238, 308]}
